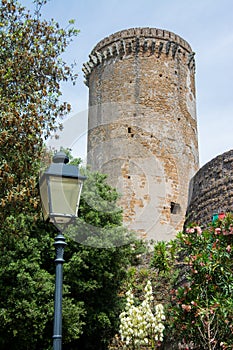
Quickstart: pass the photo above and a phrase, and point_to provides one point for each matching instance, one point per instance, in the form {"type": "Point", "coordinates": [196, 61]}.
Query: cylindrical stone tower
{"type": "Point", "coordinates": [142, 125]}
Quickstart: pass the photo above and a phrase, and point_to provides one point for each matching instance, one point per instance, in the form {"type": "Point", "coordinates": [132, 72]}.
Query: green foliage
{"type": "Point", "coordinates": [161, 257]}
{"type": "Point", "coordinates": [202, 310]}
{"type": "Point", "coordinates": [27, 287]}
{"type": "Point", "coordinates": [98, 207]}
{"type": "Point", "coordinates": [31, 71]}
{"type": "Point", "coordinates": [93, 276]}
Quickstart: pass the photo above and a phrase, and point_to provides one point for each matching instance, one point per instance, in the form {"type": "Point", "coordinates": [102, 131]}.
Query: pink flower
{"type": "Point", "coordinates": [228, 248]}
{"type": "Point", "coordinates": [186, 307]}
{"type": "Point", "coordinates": [217, 231]}
{"type": "Point", "coordinates": [191, 230]}
{"type": "Point", "coordinates": [199, 230]}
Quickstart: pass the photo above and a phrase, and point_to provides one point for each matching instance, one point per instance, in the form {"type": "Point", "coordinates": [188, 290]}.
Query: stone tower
{"type": "Point", "coordinates": [142, 127]}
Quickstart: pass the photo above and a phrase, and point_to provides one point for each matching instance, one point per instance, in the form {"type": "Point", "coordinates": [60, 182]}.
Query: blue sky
{"type": "Point", "coordinates": [207, 25]}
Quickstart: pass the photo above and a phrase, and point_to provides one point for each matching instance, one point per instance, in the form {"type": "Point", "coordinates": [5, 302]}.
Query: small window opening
{"type": "Point", "coordinates": [175, 208]}
{"type": "Point", "coordinates": [129, 130]}
{"type": "Point", "coordinates": [129, 177]}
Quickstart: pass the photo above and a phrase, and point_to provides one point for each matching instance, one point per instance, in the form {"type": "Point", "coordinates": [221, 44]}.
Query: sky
{"type": "Point", "coordinates": [207, 25]}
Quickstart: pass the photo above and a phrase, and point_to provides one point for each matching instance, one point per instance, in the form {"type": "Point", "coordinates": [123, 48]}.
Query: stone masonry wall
{"type": "Point", "coordinates": [142, 127]}
{"type": "Point", "coordinates": [211, 189]}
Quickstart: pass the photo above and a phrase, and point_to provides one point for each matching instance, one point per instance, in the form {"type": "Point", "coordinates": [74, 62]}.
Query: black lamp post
{"type": "Point", "coordinates": [60, 190]}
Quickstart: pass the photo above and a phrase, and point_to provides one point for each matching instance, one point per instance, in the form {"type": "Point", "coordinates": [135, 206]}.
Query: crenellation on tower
{"type": "Point", "coordinates": [147, 40]}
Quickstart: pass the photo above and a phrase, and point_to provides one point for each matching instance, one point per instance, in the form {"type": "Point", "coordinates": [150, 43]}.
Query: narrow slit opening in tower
{"type": "Point", "coordinates": [175, 208]}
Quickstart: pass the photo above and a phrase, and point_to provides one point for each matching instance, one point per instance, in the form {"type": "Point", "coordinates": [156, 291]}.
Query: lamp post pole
{"type": "Point", "coordinates": [57, 326]}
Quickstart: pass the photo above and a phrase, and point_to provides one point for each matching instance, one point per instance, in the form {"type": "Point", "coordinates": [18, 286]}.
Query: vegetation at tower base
{"type": "Point", "coordinates": [194, 282]}
{"type": "Point", "coordinates": [96, 266]}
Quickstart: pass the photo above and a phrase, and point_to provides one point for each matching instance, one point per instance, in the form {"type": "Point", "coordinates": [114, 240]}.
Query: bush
{"type": "Point", "coordinates": [202, 309]}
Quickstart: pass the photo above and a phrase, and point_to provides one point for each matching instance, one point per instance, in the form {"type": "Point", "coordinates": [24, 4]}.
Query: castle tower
{"type": "Point", "coordinates": [142, 125]}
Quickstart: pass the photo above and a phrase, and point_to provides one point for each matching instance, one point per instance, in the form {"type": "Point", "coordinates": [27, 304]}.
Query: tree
{"type": "Point", "coordinates": [27, 287]}
{"type": "Point", "coordinates": [31, 71]}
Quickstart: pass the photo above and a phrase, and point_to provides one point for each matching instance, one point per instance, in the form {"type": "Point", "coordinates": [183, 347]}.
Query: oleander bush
{"type": "Point", "coordinates": [201, 311]}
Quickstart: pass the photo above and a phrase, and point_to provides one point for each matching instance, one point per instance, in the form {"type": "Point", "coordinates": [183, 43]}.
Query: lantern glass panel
{"type": "Point", "coordinates": [64, 197]}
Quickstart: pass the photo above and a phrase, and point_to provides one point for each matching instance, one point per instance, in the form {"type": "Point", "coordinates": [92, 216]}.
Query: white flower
{"type": "Point", "coordinates": [138, 323]}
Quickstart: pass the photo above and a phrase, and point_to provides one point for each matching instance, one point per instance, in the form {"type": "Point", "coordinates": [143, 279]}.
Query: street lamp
{"type": "Point", "coordinates": [60, 190]}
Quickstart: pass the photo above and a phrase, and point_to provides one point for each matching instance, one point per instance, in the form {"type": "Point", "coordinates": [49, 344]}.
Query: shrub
{"type": "Point", "coordinates": [202, 308]}
{"type": "Point", "coordinates": [139, 325]}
